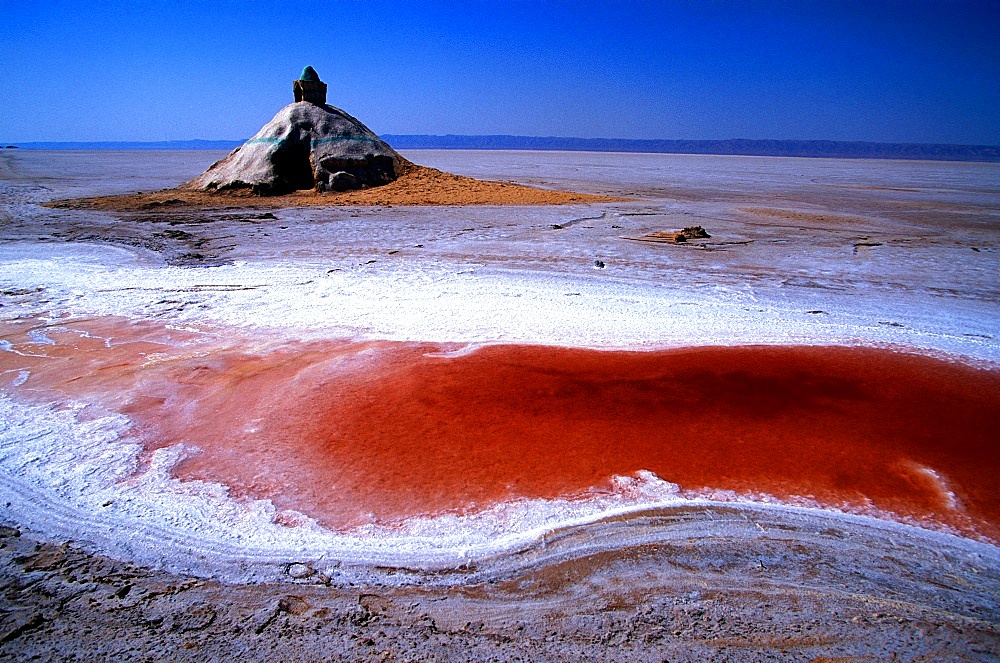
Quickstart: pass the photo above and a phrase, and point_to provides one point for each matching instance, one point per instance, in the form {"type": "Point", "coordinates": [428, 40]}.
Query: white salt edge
{"type": "Point", "coordinates": [77, 479]}
{"type": "Point", "coordinates": [415, 301]}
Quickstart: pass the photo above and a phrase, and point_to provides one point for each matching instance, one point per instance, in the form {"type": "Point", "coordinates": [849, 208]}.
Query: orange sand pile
{"type": "Point", "coordinates": [417, 185]}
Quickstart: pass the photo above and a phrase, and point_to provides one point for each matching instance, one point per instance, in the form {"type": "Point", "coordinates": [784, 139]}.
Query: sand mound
{"type": "Point", "coordinates": [311, 150]}
{"type": "Point", "coordinates": [416, 185]}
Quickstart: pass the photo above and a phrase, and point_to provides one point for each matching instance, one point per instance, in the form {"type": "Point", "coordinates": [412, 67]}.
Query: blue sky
{"type": "Point", "coordinates": [879, 70]}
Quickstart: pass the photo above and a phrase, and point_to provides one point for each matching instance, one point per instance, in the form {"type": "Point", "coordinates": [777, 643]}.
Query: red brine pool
{"type": "Point", "coordinates": [351, 433]}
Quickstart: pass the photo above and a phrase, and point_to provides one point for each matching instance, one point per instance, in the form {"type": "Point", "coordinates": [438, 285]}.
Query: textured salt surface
{"type": "Point", "coordinates": [468, 303]}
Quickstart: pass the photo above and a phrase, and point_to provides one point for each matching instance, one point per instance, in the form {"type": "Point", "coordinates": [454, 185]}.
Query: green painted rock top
{"type": "Point", "coordinates": [309, 74]}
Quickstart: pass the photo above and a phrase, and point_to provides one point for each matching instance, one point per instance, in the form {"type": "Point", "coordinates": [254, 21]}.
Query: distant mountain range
{"type": "Point", "coordinates": [777, 148]}
{"type": "Point", "coordinates": [768, 148]}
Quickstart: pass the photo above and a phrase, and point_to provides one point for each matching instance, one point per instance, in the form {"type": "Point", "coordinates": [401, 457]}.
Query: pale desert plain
{"type": "Point", "coordinates": [397, 426]}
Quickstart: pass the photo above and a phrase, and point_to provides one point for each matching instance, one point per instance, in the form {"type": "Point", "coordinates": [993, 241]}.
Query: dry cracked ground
{"type": "Point", "coordinates": [700, 600]}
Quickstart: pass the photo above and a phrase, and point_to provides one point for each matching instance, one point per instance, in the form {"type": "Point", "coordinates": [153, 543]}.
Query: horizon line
{"type": "Point", "coordinates": [19, 143]}
{"type": "Point", "coordinates": [815, 148]}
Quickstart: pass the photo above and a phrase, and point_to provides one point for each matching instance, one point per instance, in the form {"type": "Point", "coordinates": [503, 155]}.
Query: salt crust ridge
{"type": "Point", "coordinates": [474, 304]}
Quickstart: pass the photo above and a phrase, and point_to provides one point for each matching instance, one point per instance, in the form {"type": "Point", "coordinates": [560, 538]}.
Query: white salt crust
{"type": "Point", "coordinates": [69, 476]}
{"type": "Point", "coordinates": [417, 301]}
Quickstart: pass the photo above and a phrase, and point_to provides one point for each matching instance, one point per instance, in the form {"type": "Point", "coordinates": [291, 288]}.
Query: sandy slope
{"type": "Point", "coordinates": [417, 185]}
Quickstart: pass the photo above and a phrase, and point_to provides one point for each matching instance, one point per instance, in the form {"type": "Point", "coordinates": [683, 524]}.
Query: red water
{"type": "Point", "coordinates": [353, 433]}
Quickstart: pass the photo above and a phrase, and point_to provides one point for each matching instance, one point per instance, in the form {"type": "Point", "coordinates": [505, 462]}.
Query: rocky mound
{"type": "Point", "coordinates": [310, 149]}
{"type": "Point", "coordinates": [308, 145]}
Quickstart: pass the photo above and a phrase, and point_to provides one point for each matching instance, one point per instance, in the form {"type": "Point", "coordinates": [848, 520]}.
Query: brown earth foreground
{"type": "Point", "coordinates": [790, 591]}
{"type": "Point", "coordinates": [417, 185]}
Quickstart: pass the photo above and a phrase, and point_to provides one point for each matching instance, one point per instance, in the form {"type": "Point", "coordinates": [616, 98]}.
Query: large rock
{"type": "Point", "coordinates": [306, 146]}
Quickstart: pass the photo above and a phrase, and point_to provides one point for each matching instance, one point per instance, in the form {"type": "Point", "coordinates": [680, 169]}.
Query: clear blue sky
{"type": "Point", "coordinates": [880, 70]}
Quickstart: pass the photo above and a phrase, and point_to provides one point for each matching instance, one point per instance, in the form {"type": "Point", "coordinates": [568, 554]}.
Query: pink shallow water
{"type": "Point", "coordinates": [359, 432]}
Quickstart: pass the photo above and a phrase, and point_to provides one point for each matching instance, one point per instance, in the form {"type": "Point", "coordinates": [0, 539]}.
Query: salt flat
{"type": "Point", "coordinates": [803, 251]}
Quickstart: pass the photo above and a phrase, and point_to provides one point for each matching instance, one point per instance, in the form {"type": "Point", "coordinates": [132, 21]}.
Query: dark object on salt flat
{"type": "Point", "coordinates": [307, 145]}
{"type": "Point", "coordinates": [678, 236]}
{"type": "Point", "coordinates": [695, 232]}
